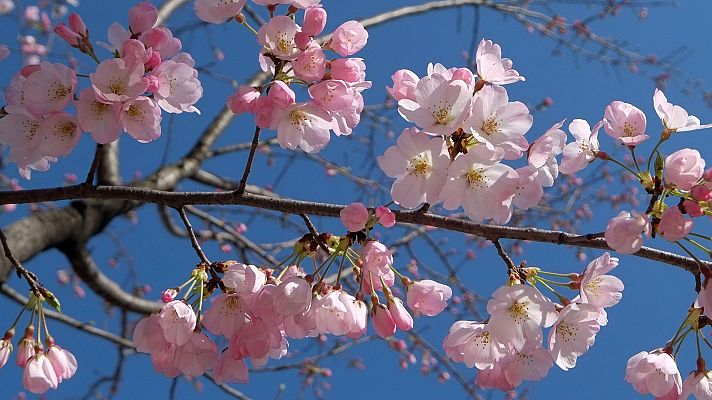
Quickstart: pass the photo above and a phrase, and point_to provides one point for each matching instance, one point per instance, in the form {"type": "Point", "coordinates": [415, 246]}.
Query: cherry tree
{"type": "Point", "coordinates": [452, 154]}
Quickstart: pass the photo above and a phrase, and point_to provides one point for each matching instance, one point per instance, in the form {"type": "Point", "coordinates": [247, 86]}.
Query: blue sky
{"type": "Point", "coordinates": [656, 296]}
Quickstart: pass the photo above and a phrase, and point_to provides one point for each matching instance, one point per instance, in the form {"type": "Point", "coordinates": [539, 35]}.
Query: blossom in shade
{"type": "Point", "coordinates": [231, 370]}
{"type": "Point", "coordinates": [178, 87]}
{"type": "Point", "coordinates": [277, 35]}
{"type": "Point", "coordinates": [354, 217]}
{"type": "Point", "coordinates": [517, 315]}
{"type": "Point", "coordinates": [226, 315]}
{"type": "Point", "coordinates": [492, 68]}
{"type": "Point", "coordinates": [49, 88]}
{"type": "Point", "coordinates": [25, 349]}
{"type": "Point", "coordinates": [304, 125]}
{"type": "Point", "coordinates": [625, 122]}
{"type": "Point", "coordinates": [440, 106]}
{"type": "Point", "coordinates": [471, 343]}
{"type": "Point", "coordinates": [493, 378]}
{"type": "Point", "coordinates": [654, 373]}
{"type": "Point", "coordinates": [419, 164]}
{"type": "Point", "coordinates": [243, 100]}
{"type": "Point", "coordinates": [310, 65]}
{"type": "Point", "coordinates": [532, 363]}
{"type": "Point", "coordinates": [697, 384]}
{"type": "Point", "coordinates": [377, 261]}
{"type": "Point", "coordinates": [624, 232]}
{"type": "Point", "coordinates": [360, 317]}
{"type": "Point", "coordinates": [573, 333]}
{"type": "Point", "coordinates": [578, 154]}
{"type": "Point", "coordinates": [244, 279]}
{"type": "Point", "coordinates": [543, 152]}
{"type": "Point", "coordinates": [148, 336]}
{"type": "Point", "coordinates": [198, 355]}
{"type": "Point", "coordinates": [598, 288]}
{"type": "Point", "coordinates": [673, 225]}
{"type": "Point", "coordinates": [529, 191]}
{"type": "Point", "coordinates": [38, 375]}
{"type": "Point", "coordinates": [382, 321]}
{"type": "Point", "coordinates": [293, 296]}
{"type": "Point", "coordinates": [404, 84]}
{"type": "Point", "coordinates": [142, 17]}
{"type": "Point", "coordinates": [684, 168]}
{"type": "Point", "coordinates": [348, 38]}
{"type": "Point", "coordinates": [177, 321]}
{"type": "Point", "coordinates": [427, 297]}
{"type": "Point", "coordinates": [499, 123]}
{"type": "Point", "coordinates": [385, 217]}
{"type": "Point", "coordinates": [673, 117]}
{"type": "Point", "coordinates": [141, 119]}
{"type": "Point", "coordinates": [217, 11]}
{"type": "Point", "coordinates": [100, 119]}
{"type": "Point", "coordinates": [351, 70]}
{"type": "Point", "coordinates": [116, 81]}
{"type": "Point", "coordinates": [481, 184]}
{"type": "Point", "coordinates": [335, 313]}
{"type": "Point", "coordinates": [60, 133]}
{"type": "Point", "coordinates": [314, 20]}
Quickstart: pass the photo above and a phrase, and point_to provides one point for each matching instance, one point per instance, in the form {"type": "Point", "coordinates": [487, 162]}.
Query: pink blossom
{"type": "Point", "coordinates": [63, 362]}
{"type": "Point", "coordinates": [49, 89]}
{"type": "Point", "coordinates": [25, 349]}
{"type": "Point", "coordinates": [244, 279]}
{"type": "Point", "coordinates": [385, 217]}
{"type": "Point", "coordinates": [177, 321]}
{"type": "Point", "coordinates": [675, 118]}
{"type": "Point", "coordinates": [161, 40]}
{"type": "Point", "coordinates": [471, 343]}
{"type": "Point", "coordinates": [401, 316]}
{"type": "Point", "coordinates": [310, 65]}
{"type": "Point", "coordinates": [231, 370]}
{"type": "Point", "coordinates": [335, 313]}
{"type": "Point", "coordinates": [60, 133]}
{"type": "Point", "coordinates": [697, 384]}
{"type": "Point", "coordinates": [68, 35]}
{"type": "Point", "coordinates": [345, 120]}
{"type": "Point", "coordinates": [141, 119]}
{"type": "Point", "coordinates": [578, 154]}
{"type": "Point", "coordinates": [517, 315]}
{"type": "Point", "coordinates": [382, 321]}
{"type": "Point", "coordinates": [573, 334]}
{"type": "Point", "coordinates": [404, 84]}
{"type": "Point", "coordinates": [531, 364]}
{"type": "Point", "coordinates": [277, 35]}
{"type": "Point", "coordinates": [360, 317]}
{"type": "Point", "coordinates": [281, 96]}
{"type": "Point", "coordinates": [673, 225]}
{"type": "Point", "coordinates": [198, 355]}
{"type": "Point", "coordinates": [39, 376]}
{"type": "Point", "coordinates": [481, 185]}
{"type": "Point", "coordinates": [348, 38]}
{"type": "Point", "coordinates": [263, 306]}
{"type": "Point", "coordinates": [217, 11]}
{"type": "Point", "coordinates": [625, 231]}
{"type": "Point", "coordinates": [440, 106]}
{"type": "Point", "coordinates": [684, 168]}
{"type": "Point", "coordinates": [19, 129]}
{"type": "Point", "coordinates": [492, 68]}
{"type": "Point", "coordinates": [493, 378]}
{"type": "Point", "coordinates": [4, 52]}
{"type": "Point", "coordinates": [653, 373]}
{"type": "Point", "coordinates": [226, 316]}
{"type": "Point", "coordinates": [77, 24]}
{"type": "Point", "coordinates": [304, 125]}
{"type": "Point", "coordinates": [625, 122]}
{"type": "Point", "coordinates": [704, 298]}
{"type": "Point", "coordinates": [164, 362]}
{"type": "Point", "coordinates": [499, 123]}
{"type": "Point", "coordinates": [314, 21]}
{"type": "Point", "coordinates": [148, 335]}
{"type": "Point", "coordinates": [142, 17]}
{"type": "Point", "coordinates": [348, 69]}
{"type": "Point", "coordinates": [100, 119]}
{"type": "Point", "coordinates": [354, 217]}
{"type": "Point", "coordinates": [5, 350]}
{"type": "Point", "coordinates": [597, 288]}
{"type": "Point", "coordinates": [243, 100]}
{"type": "Point", "coordinates": [529, 191]}
{"type": "Point", "coordinates": [332, 95]}
{"type": "Point", "coordinates": [377, 262]}
{"type": "Point", "coordinates": [428, 297]}
{"type": "Point", "coordinates": [117, 81]}
{"type": "Point", "coordinates": [293, 296]}
{"type": "Point", "coordinates": [178, 87]}
{"type": "Point", "coordinates": [419, 165]}
{"type": "Point", "coordinates": [258, 341]}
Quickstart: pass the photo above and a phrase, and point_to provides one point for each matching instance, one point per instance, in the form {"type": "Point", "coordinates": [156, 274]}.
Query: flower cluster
{"type": "Point", "coordinates": [147, 73]}
{"type": "Point", "coordinates": [256, 312]}
{"type": "Point", "coordinates": [507, 349]}
{"type": "Point", "coordinates": [293, 56]}
{"type": "Point", "coordinates": [44, 367]}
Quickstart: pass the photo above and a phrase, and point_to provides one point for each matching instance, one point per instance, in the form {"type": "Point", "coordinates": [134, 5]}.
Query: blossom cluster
{"type": "Point", "coordinates": [257, 312]}
{"type": "Point", "coordinates": [508, 348]}
{"type": "Point", "coordinates": [146, 74]}
{"type": "Point", "coordinates": [292, 55]}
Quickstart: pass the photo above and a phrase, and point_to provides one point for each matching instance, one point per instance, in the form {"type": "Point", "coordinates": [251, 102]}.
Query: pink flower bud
{"type": "Point", "coordinates": [624, 233]}
{"type": "Point", "coordinates": [67, 34]}
{"type": "Point", "coordinates": [383, 321]}
{"type": "Point", "coordinates": [385, 217]}
{"type": "Point", "coordinates": [354, 217]}
{"type": "Point", "coordinates": [348, 69]}
{"type": "Point", "coordinates": [401, 316]}
{"type": "Point", "coordinates": [684, 168]}
{"type": "Point", "coordinates": [404, 82]}
{"type": "Point", "coordinates": [673, 225]}
{"type": "Point", "coordinates": [428, 297]}
{"type": "Point", "coordinates": [349, 38]}
{"type": "Point", "coordinates": [142, 17]}
{"type": "Point", "coordinates": [314, 21]}
{"type": "Point", "coordinates": [243, 100]}
{"type": "Point", "coordinates": [77, 24]}
{"type": "Point", "coordinates": [302, 40]}
{"type": "Point", "coordinates": [169, 295]}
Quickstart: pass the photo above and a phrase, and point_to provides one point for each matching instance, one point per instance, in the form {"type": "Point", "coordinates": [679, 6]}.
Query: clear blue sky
{"type": "Point", "coordinates": [656, 296]}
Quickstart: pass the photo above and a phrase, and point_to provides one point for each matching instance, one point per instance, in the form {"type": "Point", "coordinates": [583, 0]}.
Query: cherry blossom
{"type": "Point", "coordinates": [177, 321]}
{"type": "Point", "coordinates": [624, 233]}
{"type": "Point", "coordinates": [244, 279]}
{"type": "Point", "coordinates": [578, 154]}
{"type": "Point", "coordinates": [673, 117]}
{"type": "Point", "coordinates": [293, 296]}
{"type": "Point", "coordinates": [684, 168]}
{"type": "Point", "coordinates": [38, 375]}
{"type": "Point", "coordinates": [532, 363]}
{"type": "Point", "coordinates": [401, 316]}
{"type": "Point", "coordinates": [335, 313]}
{"type": "Point", "coordinates": [597, 288]}
{"type": "Point", "coordinates": [49, 89]}
{"type": "Point", "coordinates": [382, 321]}
{"type": "Point", "coordinates": [404, 84]}
{"type": "Point", "coordinates": [60, 133]}
{"type": "Point", "coordinates": [573, 333]}
{"type": "Point", "coordinates": [479, 183]}
{"type": "Point", "coordinates": [178, 87]}
{"type": "Point", "coordinates": [217, 11]}
{"type": "Point", "coordinates": [348, 38]}
{"type": "Point", "coordinates": [697, 384]}
{"type": "Point", "coordinates": [303, 125]}
{"type": "Point", "coordinates": [385, 217]}
{"type": "Point", "coordinates": [377, 261]}
{"type": "Point", "coordinates": [314, 20]}
{"type": "Point", "coordinates": [428, 297]}
{"type": "Point", "coordinates": [226, 316]}
{"type": "Point", "coordinates": [148, 336]}
{"type": "Point", "coordinates": [141, 119]}
{"type": "Point", "coordinates": [310, 65]}
{"type": "Point", "coordinates": [102, 120]}
{"type": "Point", "coordinates": [625, 122]}
{"type": "Point", "coordinates": [492, 68]}
{"type": "Point", "coordinates": [277, 35]}
{"type": "Point", "coordinates": [5, 349]}
{"type": "Point", "coordinates": [471, 343]}
{"type": "Point", "coordinates": [142, 17]}
{"type": "Point", "coordinates": [440, 106]}
{"type": "Point", "coordinates": [63, 362]}
{"type": "Point", "coordinates": [498, 122]}
{"type": "Point", "coordinates": [231, 370]}
{"type": "Point", "coordinates": [198, 355]}
{"type": "Point", "coordinates": [354, 217]}
{"type": "Point", "coordinates": [243, 100]}
{"type": "Point", "coordinates": [349, 69]}
{"type": "Point", "coordinates": [654, 373]}
{"type": "Point", "coordinates": [673, 225]}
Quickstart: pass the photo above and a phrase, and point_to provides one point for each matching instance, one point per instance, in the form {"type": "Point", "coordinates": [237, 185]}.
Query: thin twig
{"type": "Point", "coordinates": [253, 148]}
{"type": "Point", "coordinates": [503, 254]}
{"type": "Point", "coordinates": [22, 272]}
{"type": "Point", "coordinates": [94, 164]}
{"type": "Point", "coordinates": [191, 234]}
